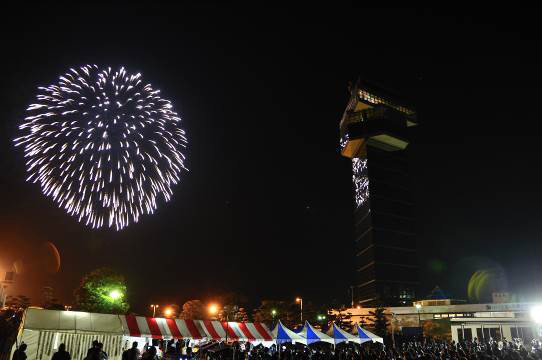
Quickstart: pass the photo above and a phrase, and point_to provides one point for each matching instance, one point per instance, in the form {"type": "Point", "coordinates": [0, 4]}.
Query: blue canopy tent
{"type": "Point", "coordinates": [312, 335]}
{"type": "Point", "coordinates": [365, 335]}
{"type": "Point", "coordinates": [339, 335]}
{"type": "Point", "coordinates": [281, 334]}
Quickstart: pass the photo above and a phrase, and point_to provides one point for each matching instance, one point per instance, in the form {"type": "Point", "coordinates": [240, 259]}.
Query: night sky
{"type": "Point", "coordinates": [266, 209]}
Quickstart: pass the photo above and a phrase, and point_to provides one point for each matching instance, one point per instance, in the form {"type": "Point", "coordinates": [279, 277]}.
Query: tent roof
{"type": "Point", "coordinates": [339, 335]}
{"type": "Point", "coordinates": [366, 335]}
{"type": "Point", "coordinates": [140, 326]}
{"type": "Point", "coordinates": [283, 335]}
{"type": "Point", "coordinates": [312, 335]}
{"type": "Point", "coordinates": [72, 321]}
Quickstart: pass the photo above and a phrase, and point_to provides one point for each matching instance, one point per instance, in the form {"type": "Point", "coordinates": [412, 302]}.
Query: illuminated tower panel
{"type": "Point", "coordinates": [374, 136]}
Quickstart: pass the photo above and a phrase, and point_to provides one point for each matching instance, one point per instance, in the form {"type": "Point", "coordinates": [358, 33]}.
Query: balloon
{"type": "Point", "coordinates": [50, 257]}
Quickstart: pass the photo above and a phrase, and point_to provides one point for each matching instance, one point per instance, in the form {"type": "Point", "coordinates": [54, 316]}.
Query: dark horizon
{"type": "Point", "coordinates": [266, 210]}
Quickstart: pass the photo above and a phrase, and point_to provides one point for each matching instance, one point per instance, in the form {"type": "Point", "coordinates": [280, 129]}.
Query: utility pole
{"type": "Point", "coordinates": [393, 321]}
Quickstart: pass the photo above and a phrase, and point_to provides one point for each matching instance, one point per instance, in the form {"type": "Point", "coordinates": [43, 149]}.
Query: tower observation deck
{"type": "Point", "coordinates": [374, 134]}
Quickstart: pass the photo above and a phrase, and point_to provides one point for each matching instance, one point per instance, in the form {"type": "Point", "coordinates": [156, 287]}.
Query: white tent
{"type": "Point", "coordinates": [312, 335]}
{"type": "Point", "coordinates": [339, 335]}
{"type": "Point", "coordinates": [44, 330]}
{"type": "Point", "coordinates": [281, 334]}
{"type": "Point", "coordinates": [365, 335]}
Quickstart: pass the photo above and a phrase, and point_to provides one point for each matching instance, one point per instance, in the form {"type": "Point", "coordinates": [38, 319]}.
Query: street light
{"type": "Point", "coordinates": [213, 309]}
{"type": "Point", "coordinates": [418, 307]}
{"type": "Point", "coordinates": [273, 313]}
{"type": "Point", "coordinates": [115, 294]}
{"type": "Point", "coordinates": [300, 301]}
{"type": "Point", "coordinates": [536, 314]}
{"type": "Point", "coordinates": [168, 311]}
{"type": "Point", "coordinates": [153, 306]}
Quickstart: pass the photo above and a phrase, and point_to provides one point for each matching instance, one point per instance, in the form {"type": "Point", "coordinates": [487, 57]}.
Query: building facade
{"type": "Point", "coordinates": [374, 134]}
{"type": "Point", "coordinates": [457, 321]}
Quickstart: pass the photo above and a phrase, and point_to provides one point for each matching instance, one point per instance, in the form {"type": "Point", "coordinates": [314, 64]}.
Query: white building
{"type": "Point", "coordinates": [465, 321]}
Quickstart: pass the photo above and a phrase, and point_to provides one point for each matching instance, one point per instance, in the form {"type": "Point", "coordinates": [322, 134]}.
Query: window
{"type": "Point", "coordinates": [495, 333]}
{"type": "Point", "coordinates": [460, 334]}
{"type": "Point", "coordinates": [468, 334]}
{"type": "Point", "coordinates": [526, 333]}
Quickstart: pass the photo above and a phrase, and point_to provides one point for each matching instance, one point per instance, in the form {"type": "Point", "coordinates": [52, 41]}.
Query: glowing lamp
{"type": "Point", "coordinates": [213, 309]}
{"type": "Point", "coordinates": [536, 314]}
{"type": "Point", "coordinates": [115, 295]}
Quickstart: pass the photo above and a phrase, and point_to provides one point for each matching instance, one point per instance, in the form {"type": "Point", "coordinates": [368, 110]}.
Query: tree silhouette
{"type": "Point", "coordinates": [194, 310]}
{"type": "Point", "coordinates": [18, 302]}
{"type": "Point", "coordinates": [380, 323]}
{"type": "Point", "coordinates": [285, 311]}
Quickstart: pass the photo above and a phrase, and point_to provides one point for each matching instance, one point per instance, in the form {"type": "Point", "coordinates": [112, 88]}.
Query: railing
{"type": "Point", "coordinates": [378, 112]}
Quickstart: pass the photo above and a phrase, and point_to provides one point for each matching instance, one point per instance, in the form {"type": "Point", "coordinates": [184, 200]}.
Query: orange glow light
{"type": "Point", "coordinates": [213, 309]}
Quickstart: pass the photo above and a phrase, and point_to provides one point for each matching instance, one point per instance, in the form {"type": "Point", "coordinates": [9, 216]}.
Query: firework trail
{"type": "Point", "coordinates": [103, 145]}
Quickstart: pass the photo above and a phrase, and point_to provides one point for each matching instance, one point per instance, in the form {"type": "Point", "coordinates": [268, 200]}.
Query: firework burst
{"type": "Point", "coordinates": [103, 145]}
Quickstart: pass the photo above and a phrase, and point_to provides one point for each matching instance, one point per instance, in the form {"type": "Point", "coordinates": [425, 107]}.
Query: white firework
{"type": "Point", "coordinates": [103, 145]}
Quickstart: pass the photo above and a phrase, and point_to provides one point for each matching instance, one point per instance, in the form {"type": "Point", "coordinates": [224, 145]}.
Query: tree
{"type": "Point", "coordinates": [53, 304]}
{"type": "Point", "coordinates": [286, 311]}
{"type": "Point", "coordinates": [194, 310]}
{"type": "Point", "coordinates": [241, 315]}
{"type": "Point", "coordinates": [342, 318]}
{"type": "Point", "coordinates": [18, 302]}
{"type": "Point", "coordinates": [380, 323]}
{"type": "Point", "coordinates": [437, 328]}
{"type": "Point", "coordinates": [103, 291]}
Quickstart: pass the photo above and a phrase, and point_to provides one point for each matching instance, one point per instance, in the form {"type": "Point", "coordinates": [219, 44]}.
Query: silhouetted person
{"type": "Point", "coordinates": [131, 354]}
{"type": "Point", "coordinates": [150, 354]}
{"type": "Point", "coordinates": [94, 352]}
{"type": "Point", "coordinates": [102, 353]}
{"type": "Point", "coordinates": [61, 354]}
{"type": "Point", "coordinates": [20, 354]}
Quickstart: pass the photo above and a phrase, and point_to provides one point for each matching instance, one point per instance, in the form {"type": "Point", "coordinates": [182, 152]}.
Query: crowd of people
{"type": "Point", "coordinates": [426, 348]}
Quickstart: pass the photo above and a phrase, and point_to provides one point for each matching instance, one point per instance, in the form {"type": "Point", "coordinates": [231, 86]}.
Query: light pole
{"type": "Point", "coordinates": [418, 307]}
{"type": "Point", "coordinates": [273, 313]}
{"type": "Point", "coordinates": [213, 310]}
{"type": "Point", "coordinates": [227, 310]}
{"type": "Point", "coordinates": [153, 306]}
{"type": "Point", "coordinates": [300, 301]}
{"type": "Point", "coordinates": [393, 320]}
